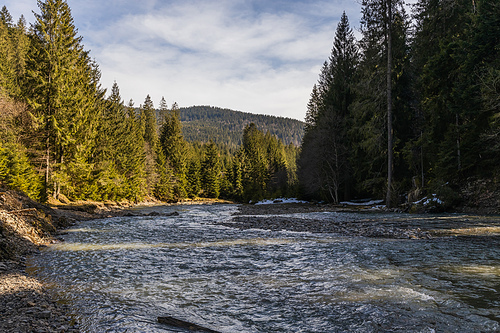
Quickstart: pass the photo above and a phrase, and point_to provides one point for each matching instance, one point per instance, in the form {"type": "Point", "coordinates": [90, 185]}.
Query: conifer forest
{"type": "Point", "coordinates": [411, 108]}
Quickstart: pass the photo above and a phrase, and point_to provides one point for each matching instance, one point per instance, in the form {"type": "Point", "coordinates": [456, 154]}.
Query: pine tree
{"type": "Point", "coordinates": [150, 123]}
{"type": "Point", "coordinates": [193, 178]}
{"type": "Point", "coordinates": [324, 168]}
{"type": "Point", "coordinates": [174, 147]}
{"type": "Point", "coordinates": [384, 26]}
{"type": "Point", "coordinates": [64, 92]}
{"type": "Point", "coordinates": [211, 171]}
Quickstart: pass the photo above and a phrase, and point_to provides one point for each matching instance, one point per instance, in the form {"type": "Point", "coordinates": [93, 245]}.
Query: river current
{"type": "Point", "coordinates": [119, 274]}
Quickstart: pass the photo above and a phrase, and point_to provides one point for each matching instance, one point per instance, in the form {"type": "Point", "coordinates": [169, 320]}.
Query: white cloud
{"type": "Point", "coordinates": [222, 53]}
{"type": "Point", "coordinates": [210, 53]}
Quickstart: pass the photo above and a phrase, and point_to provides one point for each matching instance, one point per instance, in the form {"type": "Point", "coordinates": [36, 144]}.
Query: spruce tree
{"type": "Point", "coordinates": [64, 92]}
{"type": "Point", "coordinates": [174, 147]}
{"type": "Point", "coordinates": [164, 188]}
{"type": "Point", "coordinates": [193, 178]}
{"type": "Point", "coordinates": [150, 123]}
{"type": "Point", "coordinates": [135, 156]}
{"type": "Point", "coordinates": [378, 88]}
{"type": "Point", "coordinates": [324, 162]}
{"type": "Point", "coordinates": [7, 54]}
{"type": "Point", "coordinates": [254, 164]}
{"type": "Point", "coordinates": [162, 112]}
{"type": "Point", "coordinates": [210, 171]}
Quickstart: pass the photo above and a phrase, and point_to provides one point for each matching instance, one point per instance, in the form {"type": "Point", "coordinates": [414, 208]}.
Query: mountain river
{"type": "Point", "coordinates": [119, 274]}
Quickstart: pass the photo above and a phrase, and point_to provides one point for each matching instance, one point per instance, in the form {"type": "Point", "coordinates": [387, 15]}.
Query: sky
{"type": "Point", "coordinates": [258, 56]}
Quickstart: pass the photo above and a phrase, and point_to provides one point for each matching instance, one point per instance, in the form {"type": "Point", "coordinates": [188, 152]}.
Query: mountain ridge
{"type": "Point", "coordinates": [225, 126]}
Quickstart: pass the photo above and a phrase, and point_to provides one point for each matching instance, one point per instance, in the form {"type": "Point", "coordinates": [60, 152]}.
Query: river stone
{"type": "Point", "coordinates": [44, 315]}
{"type": "Point", "coordinates": [154, 214]}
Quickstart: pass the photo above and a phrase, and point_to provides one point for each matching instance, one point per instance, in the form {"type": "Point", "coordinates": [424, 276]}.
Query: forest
{"type": "Point", "coordinates": [411, 108]}
{"type": "Point", "coordinates": [224, 126]}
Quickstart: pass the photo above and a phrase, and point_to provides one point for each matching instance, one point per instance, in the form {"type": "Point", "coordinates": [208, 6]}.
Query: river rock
{"type": "Point", "coordinates": [44, 315]}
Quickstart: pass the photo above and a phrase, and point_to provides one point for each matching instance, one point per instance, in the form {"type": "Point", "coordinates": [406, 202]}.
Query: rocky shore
{"type": "Point", "coordinates": [26, 304]}
{"type": "Point", "coordinates": [258, 217]}
{"type": "Point", "coordinates": [26, 226]}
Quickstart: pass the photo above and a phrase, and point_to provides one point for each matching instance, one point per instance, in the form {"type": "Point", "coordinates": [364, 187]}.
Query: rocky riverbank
{"type": "Point", "coordinates": [27, 304]}
{"type": "Point", "coordinates": [26, 226]}
{"type": "Point", "coordinates": [274, 217]}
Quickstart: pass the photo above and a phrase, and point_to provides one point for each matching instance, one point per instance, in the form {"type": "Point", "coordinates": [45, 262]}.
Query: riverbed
{"type": "Point", "coordinates": [229, 271]}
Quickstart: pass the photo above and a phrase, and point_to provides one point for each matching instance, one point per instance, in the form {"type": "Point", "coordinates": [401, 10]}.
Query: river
{"type": "Point", "coordinates": [119, 274]}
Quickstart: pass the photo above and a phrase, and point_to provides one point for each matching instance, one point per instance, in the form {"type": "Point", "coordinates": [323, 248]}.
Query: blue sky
{"type": "Point", "coordinates": [255, 56]}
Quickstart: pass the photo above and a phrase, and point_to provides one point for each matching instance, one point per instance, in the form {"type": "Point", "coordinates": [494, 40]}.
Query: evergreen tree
{"type": "Point", "coordinates": [21, 46]}
{"type": "Point", "coordinates": [110, 153]}
{"type": "Point", "coordinates": [237, 177]}
{"type": "Point", "coordinates": [174, 147]}
{"type": "Point", "coordinates": [135, 162]}
{"type": "Point", "coordinates": [64, 93]}
{"type": "Point", "coordinates": [17, 171]}
{"type": "Point", "coordinates": [312, 109]}
{"type": "Point", "coordinates": [162, 112]}
{"type": "Point", "coordinates": [254, 164]}
{"type": "Point", "coordinates": [164, 188]}
{"type": "Point", "coordinates": [211, 172]}
{"type": "Point", "coordinates": [277, 166]}
{"type": "Point", "coordinates": [193, 178]}
{"type": "Point", "coordinates": [373, 132]}
{"type": "Point", "coordinates": [150, 127]}
{"type": "Point", "coordinates": [7, 54]}
{"type": "Point", "coordinates": [324, 168]}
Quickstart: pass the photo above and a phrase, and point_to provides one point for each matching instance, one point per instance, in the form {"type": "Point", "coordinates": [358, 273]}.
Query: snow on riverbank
{"type": "Point", "coordinates": [280, 201]}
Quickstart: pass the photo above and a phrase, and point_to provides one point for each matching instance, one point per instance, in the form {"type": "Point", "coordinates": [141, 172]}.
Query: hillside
{"type": "Point", "coordinates": [224, 126]}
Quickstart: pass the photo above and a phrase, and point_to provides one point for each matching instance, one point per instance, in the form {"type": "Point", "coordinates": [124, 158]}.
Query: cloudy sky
{"type": "Point", "coordinates": [259, 56]}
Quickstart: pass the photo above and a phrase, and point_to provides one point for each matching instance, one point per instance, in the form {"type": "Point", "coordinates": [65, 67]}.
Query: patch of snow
{"type": "Point", "coordinates": [366, 203]}
{"type": "Point", "coordinates": [279, 201]}
{"type": "Point", "coordinates": [425, 201]}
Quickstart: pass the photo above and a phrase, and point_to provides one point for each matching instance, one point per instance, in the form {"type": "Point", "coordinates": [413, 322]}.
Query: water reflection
{"type": "Point", "coordinates": [122, 273]}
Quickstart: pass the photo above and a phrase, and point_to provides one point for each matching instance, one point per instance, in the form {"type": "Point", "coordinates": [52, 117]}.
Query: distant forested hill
{"type": "Point", "coordinates": [224, 126]}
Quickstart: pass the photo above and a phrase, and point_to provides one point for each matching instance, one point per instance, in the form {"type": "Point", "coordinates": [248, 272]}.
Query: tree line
{"type": "Point", "coordinates": [410, 108]}
{"type": "Point", "coordinates": [224, 126]}
{"type": "Point", "coordinates": [61, 138]}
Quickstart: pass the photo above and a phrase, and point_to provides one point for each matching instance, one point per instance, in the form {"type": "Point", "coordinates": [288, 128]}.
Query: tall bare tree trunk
{"type": "Point", "coordinates": [390, 156]}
